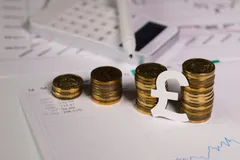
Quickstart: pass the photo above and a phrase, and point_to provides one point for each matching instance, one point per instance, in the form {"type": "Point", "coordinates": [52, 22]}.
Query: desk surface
{"type": "Point", "coordinates": [16, 138]}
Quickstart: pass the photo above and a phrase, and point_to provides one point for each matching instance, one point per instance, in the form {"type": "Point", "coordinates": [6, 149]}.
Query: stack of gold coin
{"type": "Point", "coordinates": [67, 86]}
{"type": "Point", "coordinates": [106, 85]}
{"type": "Point", "coordinates": [197, 98]}
{"type": "Point", "coordinates": [145, 79]}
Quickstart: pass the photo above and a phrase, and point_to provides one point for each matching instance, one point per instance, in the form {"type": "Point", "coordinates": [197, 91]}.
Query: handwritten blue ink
{"type": "Point", "coordinates": [227, 142]}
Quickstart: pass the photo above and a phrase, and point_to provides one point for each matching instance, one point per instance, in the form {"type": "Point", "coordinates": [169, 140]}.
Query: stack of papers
{"type": "Point", "coordinates": [81, 129]}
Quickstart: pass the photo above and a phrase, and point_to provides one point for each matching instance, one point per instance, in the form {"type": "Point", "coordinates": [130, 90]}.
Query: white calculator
{"type": "Point", "coordinates": [94, 26]}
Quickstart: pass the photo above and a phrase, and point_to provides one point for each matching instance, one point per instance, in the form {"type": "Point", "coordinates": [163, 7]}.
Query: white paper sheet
{"type": "Point", "coordinates": [120, 132]}
{"type": "Point", "coordinates": [87, 131]}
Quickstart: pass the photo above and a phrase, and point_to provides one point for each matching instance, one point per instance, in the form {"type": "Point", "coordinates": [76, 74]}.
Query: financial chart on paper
{"type": "Point", "coordinates": [16, 42]}
{"type": "Point", "coordinates": [216, 6]}
{"type": "Point", "coordinates": [219, 137]}
{"type": "Point", "coordinates": [13, 14]}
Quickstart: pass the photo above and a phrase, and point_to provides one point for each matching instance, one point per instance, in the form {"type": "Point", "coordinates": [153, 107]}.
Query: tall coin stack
{"type": "Point", "coordinates": [106, 85]}
{"type": "Point", "coordinates": [67, 86]}
{"type": "Point", "coordinates": [145, 79]}
{"type": "Point", "coordinates": [198, 97]}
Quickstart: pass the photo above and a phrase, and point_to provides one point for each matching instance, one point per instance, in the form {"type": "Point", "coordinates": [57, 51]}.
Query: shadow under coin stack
{"type": "Point", "coordinates": [67, 86]}
{"type": "Point", "coordinates": [145, 79]}
{"type": "Point", "coordinates": [198, 97]}
{"type": "Point", "coordinates": [106, 85]}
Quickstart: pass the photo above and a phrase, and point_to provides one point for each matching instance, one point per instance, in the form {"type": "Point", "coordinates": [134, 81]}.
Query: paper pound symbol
{"type": "Point", "coordinates": [163, 96]}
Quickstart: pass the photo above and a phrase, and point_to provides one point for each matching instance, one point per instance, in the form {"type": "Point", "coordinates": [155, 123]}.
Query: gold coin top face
{"type": "Point", "coordinates": [150, 70]}
{"type": "Point", "coordinates": [198, 66]}
{"type": "Point", "coordinates": [106, 74]}
{"type": "Point", "coordinates": [68, 81]}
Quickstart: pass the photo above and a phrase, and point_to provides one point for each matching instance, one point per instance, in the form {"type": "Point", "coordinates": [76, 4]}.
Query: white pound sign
{"type": "Point", "coordinates": [163, 96]}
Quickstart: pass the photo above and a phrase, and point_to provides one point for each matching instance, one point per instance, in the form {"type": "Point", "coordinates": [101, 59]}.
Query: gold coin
{"type": "Point", "coordinates": [105, 103]}
{"type": "Point", "coordinates": [66, 97]}
{"type": "Point", "coordinates": [197, 95]}
{"type": "Point", "coordinates": [109, 87]}
{"type": "Point", "coordinates": [148, 100]}
{"type": "Point", "coordinates": [200, 119]}
{"type": "Point", "coordinates": [197, 101]}
{"type": "Point", "coordinates": [67, 83]}
{"type": "Point", "coordinates": [106, 74]}
{"type": "Point", "coordinates": [144, 93]}
{"type": "Point", "coordinates": [145, 81]}
{"type": "Point", "coordinates": [146, 105]}
{"type": "Point", "coordinates": [106, 92]}
{"type": "Point", "coordinates": [201, 86]}
{"type": "Point", "coordinates": [197, 104]}
{"type": "Point", "coordinates": [142, 110]}
{"type": "Point", "coordinates": [150, 70]}
{"type": "Point", "coordinates": [198, 98]}
{"type": "Point", "coordinates": [106, 84]}
{"type": "Point", "coordinates": [197, 114]}
{"type": "Point", "coordinates": [196, 109]}
{"type": "Point", "coordinates": [145, 86]}
{"type": "Point", "coordinates": [105, 99]}
{"type": "Point", "coordinates": [65, 92]}
{"type": "Point", "coordinates": [199, 77]}
{"type": "Point", "coordinates": [107, 95]}
{"type": "Point", "coordinates": [198, 90]}
{"type": "Point", "coordinates": [198, 66]}
{"type": "Point", "coordinates": [201, 83]}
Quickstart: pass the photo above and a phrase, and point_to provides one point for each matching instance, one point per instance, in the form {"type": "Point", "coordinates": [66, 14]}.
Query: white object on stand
{"type": "Point", "coordinates": [93, 25]}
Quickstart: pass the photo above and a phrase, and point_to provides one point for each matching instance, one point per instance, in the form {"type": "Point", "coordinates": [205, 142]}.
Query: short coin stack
{"type": "Point", "coordinates": [67, 86]}
{"type": "Point", "coordinates": [106, 85]}
{"type": "Point", "coordinates": [145, 78]}
{"type": "Point", "coordinates": [198, 97]}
